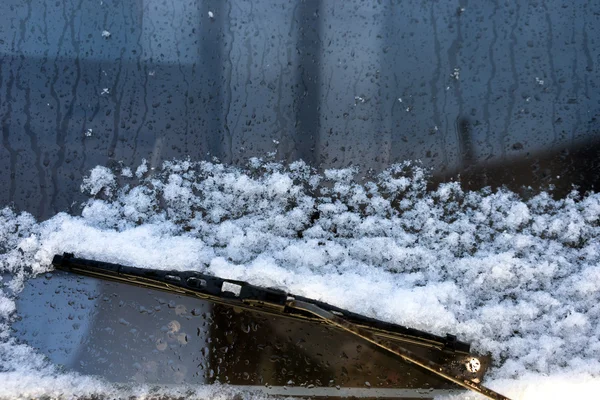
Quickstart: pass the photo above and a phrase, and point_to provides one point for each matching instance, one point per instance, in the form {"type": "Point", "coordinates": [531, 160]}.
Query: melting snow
{"type": "Point", "coordinates": [518, 278]}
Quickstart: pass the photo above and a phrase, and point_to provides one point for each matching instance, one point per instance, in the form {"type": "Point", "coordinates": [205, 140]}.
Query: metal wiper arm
{"type": "Point", "coordinates": [463, 368]}
{"type": "Point", "coordinates": [454, 372]}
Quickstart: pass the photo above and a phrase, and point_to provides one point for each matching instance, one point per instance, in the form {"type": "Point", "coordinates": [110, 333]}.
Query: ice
{"type": "Point", "coordinates": [142, 169]}
{"type": "Point", "coordinates": [100, 179]}
{"type": "Point", "coordinates": [126, 172]}
{"type": "Point", "coordinates": [7, 307]}
{"type": "Point", "coordinates": [519, 278]}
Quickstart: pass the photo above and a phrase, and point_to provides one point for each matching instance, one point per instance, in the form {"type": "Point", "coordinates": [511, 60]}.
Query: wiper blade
{"type": "Point", "coordinates": [451, 359]}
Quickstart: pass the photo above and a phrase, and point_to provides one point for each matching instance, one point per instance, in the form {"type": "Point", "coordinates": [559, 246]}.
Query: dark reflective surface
{"type": "Point", "coordinates": [459, 85]}
{"type": "Point", "coordinates": [130, 334]}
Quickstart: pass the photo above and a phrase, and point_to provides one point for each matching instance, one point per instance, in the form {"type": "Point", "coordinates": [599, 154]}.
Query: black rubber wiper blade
{"type": "Point", "coordinates": [452, 362]}
{"type": "Point", "coordinates": [244, 295]}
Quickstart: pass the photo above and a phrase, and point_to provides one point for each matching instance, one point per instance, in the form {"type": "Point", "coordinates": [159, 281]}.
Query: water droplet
{"type": "Point", "coordinates": [180, 309]}
{"type": "Point", "coordinates": [182, 338]}
{"type": "Point", "coordinates": [161, 345]}
{"type": "Point", "coordinates": [174, 326]}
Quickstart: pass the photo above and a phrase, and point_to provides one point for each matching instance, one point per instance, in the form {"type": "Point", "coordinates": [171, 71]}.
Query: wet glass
{"type": "Point", "coordinates": [129, 334]}
{"type": "Point", "coordinates": [498, 93]}
{"type": "Point", "coordinates": [501, 93]}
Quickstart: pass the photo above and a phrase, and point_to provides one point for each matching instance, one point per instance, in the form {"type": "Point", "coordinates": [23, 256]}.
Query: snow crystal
{"type": "Point", "coordinates": [126, 172]}
{"type": "Point", "coordinates": [100, 179]}
{"type": "Point", "coordinates": [519, 278]}
{"type": "Point", "coordinates": [7, 307]}
{"type": "Point", "coordinates": [142, 169]}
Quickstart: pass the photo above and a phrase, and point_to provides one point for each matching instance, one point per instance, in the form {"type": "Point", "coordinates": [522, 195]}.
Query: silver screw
{"type": "Point", "coordinates": [473, 365]}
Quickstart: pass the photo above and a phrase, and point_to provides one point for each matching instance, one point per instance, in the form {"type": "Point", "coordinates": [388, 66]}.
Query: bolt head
{"type": "Point", "coordinates": [473, 365]}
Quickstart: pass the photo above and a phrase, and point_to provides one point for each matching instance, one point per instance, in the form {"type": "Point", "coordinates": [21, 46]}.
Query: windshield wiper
{"type": "Point", "coordinates": [450, 358]}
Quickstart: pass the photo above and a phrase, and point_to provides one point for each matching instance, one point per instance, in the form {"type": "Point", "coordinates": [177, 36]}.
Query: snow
{"type": "Point", "coordinates": [100, 179]}
{"type": "Point", "coordinates": [518, 278]}
{"type": "Point", "coordinates": [126, 172]}
{"type": "Point", "coordinates": [142, 169]}
{"type": "Point", "coordinates": [7, 307]}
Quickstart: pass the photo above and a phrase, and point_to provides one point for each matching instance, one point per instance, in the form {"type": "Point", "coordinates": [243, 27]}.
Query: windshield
{"type": "Point", "coordinates": [458, 86]}
{"type": "Point", "coordinates": [427, 163]}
